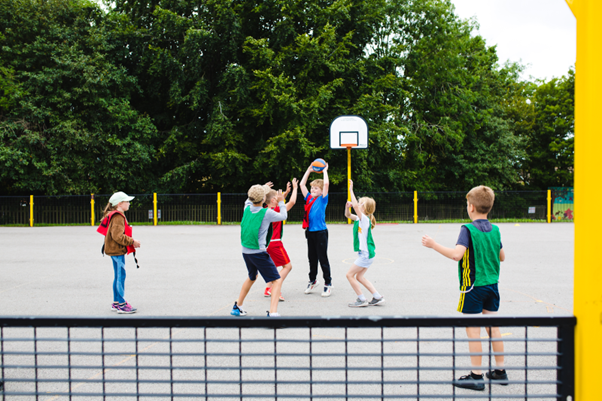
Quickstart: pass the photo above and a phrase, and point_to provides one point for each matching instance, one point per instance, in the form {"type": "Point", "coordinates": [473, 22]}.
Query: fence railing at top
{"type": "Point", "coordinates": [222, 208]}
{"type": "Point", "coordinates": [401, 357]}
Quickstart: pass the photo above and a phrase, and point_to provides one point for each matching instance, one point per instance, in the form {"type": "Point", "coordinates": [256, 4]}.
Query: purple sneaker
{"type": "Point", "coordinates": [127, 308]}
{"type": "Point", "coordinates": [115, 306]}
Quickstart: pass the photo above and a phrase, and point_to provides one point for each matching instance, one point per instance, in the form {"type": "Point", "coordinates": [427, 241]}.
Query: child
{"type": "Point", "coordinates": [479, 253]}
{"type": "Point", "coordinates": [314, 223]}
{"type": "Point", "coordinates": [256, 222]}
{"type": "Point", "coordinates": [118, 242]}
{"type": "Point", "coordinates": [276, 248]}
{"type": "Point", "coordinates": [363, 244]}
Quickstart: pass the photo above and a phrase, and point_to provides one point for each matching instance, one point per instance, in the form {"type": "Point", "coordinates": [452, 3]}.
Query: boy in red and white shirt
{"type": "Point", "coordinates": [276, 247]}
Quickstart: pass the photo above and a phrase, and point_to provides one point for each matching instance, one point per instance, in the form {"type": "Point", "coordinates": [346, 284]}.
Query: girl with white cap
{"type": "Point", "coordinates": [118, 243]}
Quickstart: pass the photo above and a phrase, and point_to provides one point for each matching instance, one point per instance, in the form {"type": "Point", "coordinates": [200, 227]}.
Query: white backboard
{"type": "Point", "coordinates": [348, 130]}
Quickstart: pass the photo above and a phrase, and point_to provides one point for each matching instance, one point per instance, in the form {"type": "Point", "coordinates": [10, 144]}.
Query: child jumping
{"type": "Point", "coordinates": [363, 244]}
{"type": "Point", "coordinates": [314, 223]}
{"type": "Point", "coordinates": [118, 243]}
{"type": "Point", "coordinates": [276, 247]}
{"type": "Point", "coordinates": [479, 253]}
{"type": "Point", "coordinates": [256, 222]}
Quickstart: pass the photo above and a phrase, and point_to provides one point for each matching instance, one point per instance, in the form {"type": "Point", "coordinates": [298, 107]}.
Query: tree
{"type": "Point", "coordinates": [551, 134]}
{"type": "Point", "coordinates": [67, 126]}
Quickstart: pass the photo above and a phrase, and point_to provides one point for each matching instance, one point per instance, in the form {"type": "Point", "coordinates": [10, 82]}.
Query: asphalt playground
{"type": "Point", "coordinates": [198, 271]}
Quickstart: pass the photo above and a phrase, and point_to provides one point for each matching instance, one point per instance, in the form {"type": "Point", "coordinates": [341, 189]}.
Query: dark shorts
{"type": "Point", "coordinates": [486, 297]}
{"type": "Point", "coordinates": [262, 263]}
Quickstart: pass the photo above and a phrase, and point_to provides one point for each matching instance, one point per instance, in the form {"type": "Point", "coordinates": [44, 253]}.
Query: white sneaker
{"type": "Point", "coordinates": [359, 303]}
{"type": "Point", "coordinates": [327, 290]}
{"type": "Point", "coordinates": [311, 286]}
{"type": "Point", "coordinates": [375, 301]}
{"type": "Point", "coordinates": [273, 314]}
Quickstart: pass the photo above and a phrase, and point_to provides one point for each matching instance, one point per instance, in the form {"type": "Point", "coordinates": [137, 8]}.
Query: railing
{"type": "Point", "coordinates": [223, 208]}
{"type": "Point", "coordinates": [270, 358]}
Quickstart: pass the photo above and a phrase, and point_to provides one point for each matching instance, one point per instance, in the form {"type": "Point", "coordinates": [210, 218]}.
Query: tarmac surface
{"type": "Point", "coordinates": [198, 271]}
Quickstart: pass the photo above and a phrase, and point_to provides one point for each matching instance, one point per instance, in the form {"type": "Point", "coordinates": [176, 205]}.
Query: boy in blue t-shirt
{"type": "Point", "coordinates": [314, 223]}
{"type": "Point", "coordinates": [479, 253]}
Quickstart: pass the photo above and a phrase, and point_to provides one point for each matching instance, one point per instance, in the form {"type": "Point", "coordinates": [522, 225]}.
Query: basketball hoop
{"type": "Point", "coordinates": [348, 145]}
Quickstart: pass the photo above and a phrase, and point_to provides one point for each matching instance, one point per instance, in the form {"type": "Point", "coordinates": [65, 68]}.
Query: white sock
{"type": "Point", "coordinates": [377, 295]}
{"type": "Point", "coordinates": [361, 297]}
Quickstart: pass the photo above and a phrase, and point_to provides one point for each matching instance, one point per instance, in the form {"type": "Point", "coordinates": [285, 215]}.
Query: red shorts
{"type": "Point", "coordinates": [278, 253]}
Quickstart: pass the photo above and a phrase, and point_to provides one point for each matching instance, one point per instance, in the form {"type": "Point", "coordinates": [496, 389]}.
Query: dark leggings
{"type": "Point", "coordinates": [317, 248]}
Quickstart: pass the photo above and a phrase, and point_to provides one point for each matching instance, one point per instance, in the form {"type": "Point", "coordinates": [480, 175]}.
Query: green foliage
{"type": "Point", "coordinates": [67, 124]}
{"type": "Point", "coordinates": [551, 134]}
{"type": "Point", "coordinates": [181, 96]}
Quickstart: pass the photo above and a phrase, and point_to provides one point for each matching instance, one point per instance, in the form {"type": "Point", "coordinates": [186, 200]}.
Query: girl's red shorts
{"type": "Point", "coordinates": [278, 253]}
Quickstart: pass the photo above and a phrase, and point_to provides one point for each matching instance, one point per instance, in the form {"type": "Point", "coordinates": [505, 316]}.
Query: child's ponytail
{"type": "Point", "coordinates": [369, 209]}
{"type": "Point", "coordinates": [372, 220]}
{"type": "Point", "coordinates": [108, 209]}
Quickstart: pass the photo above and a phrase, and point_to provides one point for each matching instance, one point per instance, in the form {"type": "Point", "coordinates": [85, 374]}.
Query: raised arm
{"type": "Point", "coordinates": [354, 201]}
{"type": "Point", "coordinates": [303, 183]}
{"type": "Point", "coordinates": [293, 199]}
{"type": "Point", "coordinates": [326, 182]}
{"type": "Point", "coordinates": [348, 213]}
{"type": "Point", "coordinates": [273, 216]}
{"type": "Point", "coordinates": [453, 253]}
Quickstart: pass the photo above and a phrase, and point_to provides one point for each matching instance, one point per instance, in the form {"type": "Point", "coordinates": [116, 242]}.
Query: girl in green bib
{"type": "Point", "coordinates": [363, 244]}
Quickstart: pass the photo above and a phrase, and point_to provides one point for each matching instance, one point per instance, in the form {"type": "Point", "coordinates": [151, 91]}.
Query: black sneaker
{"type": "Point", "coordinates": [470, 382]}
{"type": "Point", "coordinates": [498, 378]}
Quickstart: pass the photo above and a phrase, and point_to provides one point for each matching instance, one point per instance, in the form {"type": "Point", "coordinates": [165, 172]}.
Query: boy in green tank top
{"type": "Point", "coordinates": [255, 234]}
{"type": "Point", "coordinates": [478, 252]}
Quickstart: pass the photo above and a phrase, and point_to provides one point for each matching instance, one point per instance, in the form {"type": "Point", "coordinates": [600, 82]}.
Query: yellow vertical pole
{"type": "Point", "coordinates": [92, 219]}
{"type": "Point", "coordinates": [587, 298]}
{"type": "Point", "coordinates": [415, 207]}
{"type": "Point", "coordinates": [219, 208]}
{"type": "Point", "coordinates": [155, 208]}
{"type": "Point", "coordinates": [549, 206]}
{"type": "Point", "coordinates": [348, 177]}
{"type": "Point", "coordinates": [30, 210]}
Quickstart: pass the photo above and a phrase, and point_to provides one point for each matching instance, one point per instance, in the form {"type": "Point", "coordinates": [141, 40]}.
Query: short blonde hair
{"type": "Point", "coordinates": [369, 208]}
{"type": "Point", "coordinates": [256, 194]}
{"type": "Point", "coordinates": [482, 198]}
{"type": "Point", "coordinates": [317, 183]}
{"type": "Point", "coordinates": [271, 194]}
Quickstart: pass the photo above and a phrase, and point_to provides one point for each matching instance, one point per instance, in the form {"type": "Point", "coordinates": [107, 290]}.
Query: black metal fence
{"type": "Point", "coordinates": [289, 358]}
{"type": "Point", "coordinates": [203, 208]}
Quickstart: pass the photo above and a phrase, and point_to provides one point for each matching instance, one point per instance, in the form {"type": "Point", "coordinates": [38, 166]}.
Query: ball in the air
{"type": "Point", "coordinates": [318, 165]}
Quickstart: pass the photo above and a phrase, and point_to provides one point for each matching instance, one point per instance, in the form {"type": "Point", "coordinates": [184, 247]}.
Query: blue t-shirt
{"type": "Point", "coordinates": [317, 213]}
{"type": "Point", "coordinates": [482, 225]}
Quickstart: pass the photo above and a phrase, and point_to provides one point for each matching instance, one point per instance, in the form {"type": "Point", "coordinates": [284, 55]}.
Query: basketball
{"type": "Point", "coordinates": [318, 165]}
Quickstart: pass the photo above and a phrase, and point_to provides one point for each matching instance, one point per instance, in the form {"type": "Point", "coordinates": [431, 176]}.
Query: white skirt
{"type": "Point", "coordinates": [363, 259]}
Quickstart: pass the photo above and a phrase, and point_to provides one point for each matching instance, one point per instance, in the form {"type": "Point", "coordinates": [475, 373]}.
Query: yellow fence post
{"type": "Point", "coordinates": [348, 178]}
{"type": "Point", "coordinates": [30, 210]}
{"type": "Point", "coordinates": [549, 205]}
{"type": "Point", "coordinates": [415, 207]}
{"type": "Point", "coordinates": [155, 208]}
{"type": "Point", "coordinates": [219, 208]}
{"type": "Point", "coordinates": [587, 301]}
{"type": "Point", "coordinates": [92, 219]}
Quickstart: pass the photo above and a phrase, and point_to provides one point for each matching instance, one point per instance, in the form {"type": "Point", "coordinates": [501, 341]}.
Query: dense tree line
{"type": "Point", "coordinates": [183, 96]}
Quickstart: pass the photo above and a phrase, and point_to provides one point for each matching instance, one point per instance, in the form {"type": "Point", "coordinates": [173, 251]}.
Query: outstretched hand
{"type": "Point", "coordinates": [348, 204]}
{"type": "Point", "coordinates": [295, 183]}
{"type": "Point", "coordinates": [428, 241]}
{"type": "Point", "coordinates": [269, 184]}
{"type": "Point", "coordinates": [280, 196]}
{"type": "Point", "coordinates": [350, 184]}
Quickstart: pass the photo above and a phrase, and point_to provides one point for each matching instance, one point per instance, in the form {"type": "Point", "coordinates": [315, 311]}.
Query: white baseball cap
{"type": "Point", "coordinates": [119, 197]}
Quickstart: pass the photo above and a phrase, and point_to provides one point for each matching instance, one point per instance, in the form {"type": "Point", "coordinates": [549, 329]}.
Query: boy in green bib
{"type": "Point", "coordinates": [478, 252]}
{"type": "Point", "coordinates": [255, 232]}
